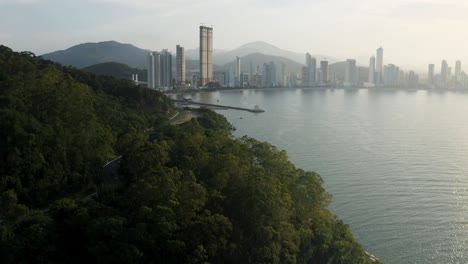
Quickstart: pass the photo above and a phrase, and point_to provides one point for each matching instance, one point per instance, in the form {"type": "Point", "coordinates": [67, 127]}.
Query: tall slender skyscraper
{"type": "Point", "coordinates": [444, 72]}
{"type": "Point", "coordinates": [311, 65]}
{"type": "Point", "coordinates": [324, 70]}
{"type": "Point", "coordinates": [269, 77]}
{"type": "Point", "coordinates": [307, 71]}
{"type": "Point", "coordinates": [379, 66]}
{"type": "Point", "coordinates": [266, 75]}
{"type": "Point", "coordinates": [180, 65]}
{"type": "Point", "coordinates": [206, 55]}
{"type": "Point", "coordinates": [238, 72]}
{"type": "Point", "coordinates": [284, 72]}
{"type": "Point", "coordinates": [150, 70]}
{"type": "Point", "coordinates": [430, 74]}
{"type": "Point", "coordinates": [157, 69]}
{"type": "Point", "coordinates": [457, 70]}
{"type": "Point", "coordinates": [166, 68]}
{"type": "Point", "coordinates": [251, 72]}
{"type": "Point", "coordinates": [372, 69]}
{"type": "Point", "coordinates": [273, 74]}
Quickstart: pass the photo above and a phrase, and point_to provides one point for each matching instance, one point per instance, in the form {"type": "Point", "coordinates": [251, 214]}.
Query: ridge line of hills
{"type": "Point", "coordinates": [100, 58]}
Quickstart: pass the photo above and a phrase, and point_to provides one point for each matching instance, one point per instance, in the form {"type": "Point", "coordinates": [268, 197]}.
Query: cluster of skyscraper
{"type": "Point", "coordinates": [390, 75]}
{"type": "Point", "coordinates": [446, 79]}
{"type": "Point", "coordinates": [313, 76]}
{"type": "Point", "coordinates": [160, 64]}
{"type": "Point", "coordinates": [269, 75]}
{"type": "Point", "coordinates": [160, 68]}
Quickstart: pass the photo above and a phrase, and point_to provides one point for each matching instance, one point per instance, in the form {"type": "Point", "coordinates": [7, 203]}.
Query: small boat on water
{"type": "Point", "coordinates": [257, 109]}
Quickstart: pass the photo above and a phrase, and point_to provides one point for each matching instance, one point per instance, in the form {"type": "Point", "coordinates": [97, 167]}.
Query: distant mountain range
{"type": "Point", "coordinates": [121, 60]}
{"type": "Point", "coordinates": [88, 54]}
{"type": "Point", "coordinates": [258, 59]}
{"type": "Point", "coordinates": [222, 57]}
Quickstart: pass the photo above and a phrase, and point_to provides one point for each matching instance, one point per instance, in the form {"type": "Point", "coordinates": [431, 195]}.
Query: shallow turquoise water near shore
{"type": "Point", "coordinates": [396, 162]}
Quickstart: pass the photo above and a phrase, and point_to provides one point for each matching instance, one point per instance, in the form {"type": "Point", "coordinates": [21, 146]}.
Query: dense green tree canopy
{"type": "Point", "coordinates": [189, 193]}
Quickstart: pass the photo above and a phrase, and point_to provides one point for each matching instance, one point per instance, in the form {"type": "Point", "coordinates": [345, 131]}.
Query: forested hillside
{"type": "Point", "coordinates": [186, 194]}
{"type": "Point", "coordinates": [117, 70]}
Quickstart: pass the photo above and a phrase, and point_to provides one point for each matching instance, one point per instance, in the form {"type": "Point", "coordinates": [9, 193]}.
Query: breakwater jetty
{"type": "Point", "coordinates": [256, 109]}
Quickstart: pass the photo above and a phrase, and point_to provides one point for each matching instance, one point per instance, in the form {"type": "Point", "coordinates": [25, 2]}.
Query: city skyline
{"type": "Point", "coordinates": [40, 26]}
{"type": "Point", "coordinates": [379, 74]}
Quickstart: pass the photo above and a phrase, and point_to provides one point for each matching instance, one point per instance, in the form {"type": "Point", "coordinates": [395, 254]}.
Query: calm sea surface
{"type": "Point", "coordinates": [396, 162]}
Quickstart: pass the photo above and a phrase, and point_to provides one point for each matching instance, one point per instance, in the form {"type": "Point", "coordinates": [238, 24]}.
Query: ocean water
{"type": "Point", "coordinates": [396, 162]}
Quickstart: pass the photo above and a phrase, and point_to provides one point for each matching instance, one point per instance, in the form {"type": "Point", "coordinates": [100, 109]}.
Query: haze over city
{"type": "Point", "coordinates": [413, 33]}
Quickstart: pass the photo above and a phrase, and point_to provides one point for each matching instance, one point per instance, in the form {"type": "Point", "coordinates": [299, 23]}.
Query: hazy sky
{"type": "Point", "coordinates": [413, 33]}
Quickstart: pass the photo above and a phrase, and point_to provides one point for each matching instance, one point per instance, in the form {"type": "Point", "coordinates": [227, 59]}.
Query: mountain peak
{"type": "Point", "coordinates": [108, 43]}
{"type": "Point", "coordinates": [87, 54]}
{"type": "Point", "coordinates": [257, 44]}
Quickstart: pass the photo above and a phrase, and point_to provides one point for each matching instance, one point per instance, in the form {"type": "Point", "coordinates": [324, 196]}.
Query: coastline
{"type": "Point", "coordinates": [237, 89]}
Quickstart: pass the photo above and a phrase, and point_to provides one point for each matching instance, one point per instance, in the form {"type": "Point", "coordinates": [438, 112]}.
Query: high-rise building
{"type": "Point", "coordinates": [311, 65]}
{"type": "Point", "coordinates": [232, 74]}
{"type": "Point", "coordinates": [457, 70]}
{"type": "Point", "coordinates": [273, 75]}
{"type": "Point", "coordinates": [251, 72]}
{"type": "Point", "coordinates": [372, 69]}
{"type": "Point", "coordinates": [269, 75]}
{"type": "Point", "coordinates": [180, 65]}
{"type": "Point", "coordinates": [324, 71]}
{"type": "Point", "coordinates": [391, 76]}
{"type": "Point", "coordinates": [350, 73]}
{"type": "Point", "coordinates": [206, 55]}
{"type": "Point", "coordinates": [379, 66]}
{"type": "Point", "coordinates": [319, 76]}
{"type": "Point", "coordinates": [244, 80]}
{"type": "Point", "coordinates": [150, 69]}
{"type": "Point", "coordinates": [430, 74]}
{"type": "Point", "coordinates": [157, 69]}
{"type": "Point", "coordinates": [313, 71]}
{"type": "Point", "coordinates": [166, 68]}
{"type": "Point", "coordinates": [413, 80]}
{"type": "Point", "coordinates": [283, 77]}
{"type": "Point", "coordinates": [305, 76]}
{"type": "Point", "coordinates": [402, 78]}
{"type": "Point", "coordinates": [265, 75]}
{"type": "Point", "coordinates": [463, 80]}
{"type": "Point", "coordinates": [237, 78]}
{"type": "Point", "coordinates": [444, 72]}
